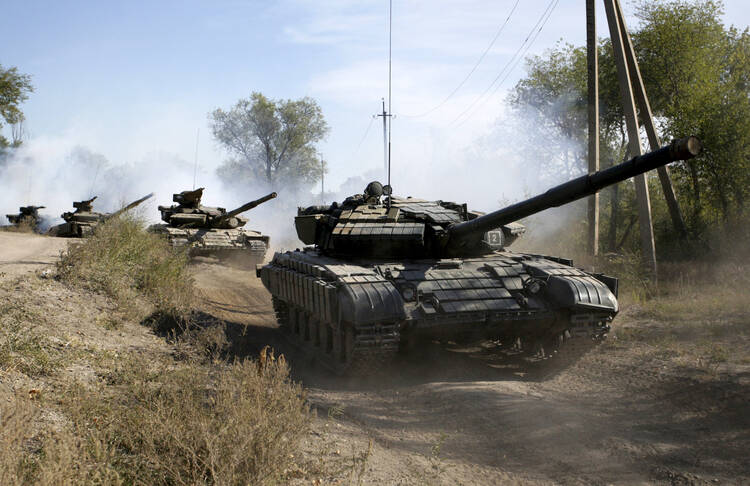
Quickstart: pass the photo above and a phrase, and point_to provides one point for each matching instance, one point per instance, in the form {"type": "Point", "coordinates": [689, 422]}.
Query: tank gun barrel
{"type": "Point", "coordinates": [249, 206]}
{"type": "Point", "coordinates": [578, 188]}
{"type": "Point", "coordinates": [130, 206]}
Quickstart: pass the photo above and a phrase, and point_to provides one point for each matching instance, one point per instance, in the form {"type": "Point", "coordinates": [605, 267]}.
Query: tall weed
{"type": "Point", "coordinates": [122, 260]}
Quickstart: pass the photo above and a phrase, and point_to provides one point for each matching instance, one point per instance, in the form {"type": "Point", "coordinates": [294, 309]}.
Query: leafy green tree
{"type": "Point", "coordinates": [272, 141]}
{"type": "Point", "coordinates": [14, 90]}
{"type": "Point", "coordinates": [697, 74]}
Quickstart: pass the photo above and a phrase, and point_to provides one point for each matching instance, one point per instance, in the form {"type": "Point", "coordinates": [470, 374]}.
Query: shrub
{"type": "Point", "coordinates": [122, 260]}
{"type": "Point", "coordinates": [237, 424]}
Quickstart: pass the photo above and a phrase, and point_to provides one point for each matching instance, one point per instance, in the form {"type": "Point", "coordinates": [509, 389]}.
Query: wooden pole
{"type": "Point", "coordinates": [592, 59]}
{"type": "Point", "coordinates": [648, 248]}
{"type": "Point", "coordinates": [644, 109]}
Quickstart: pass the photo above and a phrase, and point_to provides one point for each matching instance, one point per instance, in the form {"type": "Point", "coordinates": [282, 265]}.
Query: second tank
{"type": "Point", "coordinates": [212, 231]}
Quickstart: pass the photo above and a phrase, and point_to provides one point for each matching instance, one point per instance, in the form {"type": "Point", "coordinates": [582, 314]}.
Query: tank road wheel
{"type": "Point", "coordinates": [559, 352]}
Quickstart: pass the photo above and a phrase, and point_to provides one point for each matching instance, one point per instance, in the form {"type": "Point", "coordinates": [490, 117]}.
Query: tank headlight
{"type": "Point", "coordinates": [407, 293]}
{"type": "Point", "coordinates": [533, 285]}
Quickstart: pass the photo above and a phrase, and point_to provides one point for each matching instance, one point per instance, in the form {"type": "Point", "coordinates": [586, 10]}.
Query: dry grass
{"type": "Point", "coordinates": [233, 425]}
{"type": "Point", "coordinates": [66, 454]}
{"type": "Point", "coordinates": [23, 227]}
{"type": "Point", "coordinates": [136, 416]}
{"type": "Point", "coordinates": [236, 424]}
{"type": "Point", "coordinates": [22, 346]}
{"type": "Point", "coordinates": [125, 262]}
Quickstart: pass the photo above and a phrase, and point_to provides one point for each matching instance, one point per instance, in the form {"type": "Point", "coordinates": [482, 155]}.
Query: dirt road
{"type": "Point", "coordinates": [629, 413]}
{"type": "Point", "coordinates": [26, 252]}
{"type": "Point", "coordinates": [625, 414]}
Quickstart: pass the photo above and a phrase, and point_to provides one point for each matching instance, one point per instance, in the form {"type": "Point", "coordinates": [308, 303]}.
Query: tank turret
{"type": "Point", "coordinates": [378, 224]}
{"type": "Point", "coordinates": [383, 273]}
{"type": "Point", "coordinates": [84, 219]}
{"type": "Point", "coordinates": [27, 216]}
{"type": "Point", "coordinates": [211, 230]}
{"type": "Point", "coordinates": [189, 213]}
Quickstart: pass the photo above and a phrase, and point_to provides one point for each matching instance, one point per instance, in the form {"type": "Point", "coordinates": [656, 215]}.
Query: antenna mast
{"type": "Point", "coordinates": [195, 167]}
{"type": "Point", "coordinates": [386, 161]}
{"type": "Point", "coordinates": [390, 37]}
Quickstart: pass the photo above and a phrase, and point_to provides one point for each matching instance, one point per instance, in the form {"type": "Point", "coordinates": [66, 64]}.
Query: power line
{"type": "Point", "coordinates": [513, 62]}
{"type": "Point", "coordinates": [481, 58]}
{"type": "Point", "coordinates": [372, 119]}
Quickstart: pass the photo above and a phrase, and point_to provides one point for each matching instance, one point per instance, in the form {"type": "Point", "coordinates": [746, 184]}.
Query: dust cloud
{"type": "Point", "coordinates": [496, 170]}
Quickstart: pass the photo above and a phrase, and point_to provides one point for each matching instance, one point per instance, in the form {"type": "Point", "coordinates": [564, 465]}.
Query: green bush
{"type": "Point", "coordinates": [123, 260]}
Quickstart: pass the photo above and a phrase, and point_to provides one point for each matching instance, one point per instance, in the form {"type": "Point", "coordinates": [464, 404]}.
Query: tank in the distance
{"type": "Point", "coordinates": [27, 219]}
{"type": "Point", "coordinates": [383, 273]}
{"type": "Point", "coordinates": [83, 221]}
{"type": "Point", "coordinates": [212, 231]}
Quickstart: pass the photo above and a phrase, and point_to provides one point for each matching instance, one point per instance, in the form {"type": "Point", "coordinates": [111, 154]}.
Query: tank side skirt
{"type": "Point", "coordinates": [302, 294]}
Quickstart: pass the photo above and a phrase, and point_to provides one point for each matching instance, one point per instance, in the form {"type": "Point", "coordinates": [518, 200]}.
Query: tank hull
{"type": "Point", "coordinates": [222, 243]}
{"type": "Point", "coordinates": [356, 315]}
{"type": "Point", "coordinates": [73, 229]}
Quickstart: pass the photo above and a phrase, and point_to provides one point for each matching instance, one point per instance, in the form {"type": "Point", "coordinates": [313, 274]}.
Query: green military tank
{"type": "Point", "coordinates": [27, 217]}
{"type": "Point", "coordinates": [384, 272]}
{"type": "Point", "coordinates": [82, 222]}
{"type": "Point", "coordinates": [212, 231]}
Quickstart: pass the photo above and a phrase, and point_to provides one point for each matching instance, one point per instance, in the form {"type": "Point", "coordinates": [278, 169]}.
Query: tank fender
{"type": "Point", "coordinates": [369, 299]}
{"type": "Point", "coordinates": [583, 292]}
{"type": "Point", "coordinates": [569, 287]}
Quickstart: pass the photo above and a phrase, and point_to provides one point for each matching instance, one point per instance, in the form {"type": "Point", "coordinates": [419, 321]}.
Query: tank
{"type": "Point", "coordinates": [28, 216]}
{"type": "Point", "coordinates": [383, 273]}
{"type": "Point", "coordinates": [82, 222]}
{"type": "Point", "coordinates": [210, 231]}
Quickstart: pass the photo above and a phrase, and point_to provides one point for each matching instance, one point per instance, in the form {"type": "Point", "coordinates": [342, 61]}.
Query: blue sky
{"type": "Point", "coordinates": [131, 79]}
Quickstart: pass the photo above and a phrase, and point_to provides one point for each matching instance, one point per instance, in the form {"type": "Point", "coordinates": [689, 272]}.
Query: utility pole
{"type": "Point", "coordinates": [644, 108]}
{"type": "Point", "coordinates": [618, 37]}
{"type": "Point", "coordinates": [195, 166]}
{"type": "Point", "coordinates": [323, 170]}
{"type": "Point", "coordinates": [592, 60]}
{"type": "Point", "coordinates": [386, 116]}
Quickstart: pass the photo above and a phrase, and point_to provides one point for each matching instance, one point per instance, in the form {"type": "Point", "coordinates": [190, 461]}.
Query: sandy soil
{"type": "Point", "coordinates": [22, 253]}
{"type": "Point", "coordinates": [628, 413]}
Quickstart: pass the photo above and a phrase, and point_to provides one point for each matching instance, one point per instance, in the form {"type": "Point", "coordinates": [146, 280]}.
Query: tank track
{"type": "Point", "coordinates": [364, 351]}
{"type": "Point", "coordinates": [565, 349]}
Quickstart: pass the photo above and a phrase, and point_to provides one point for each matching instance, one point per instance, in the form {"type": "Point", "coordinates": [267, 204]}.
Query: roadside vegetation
{"type": "Point", "coordinates": [89, 396]}
{"type": "Point", "coordinates": [130, 265]}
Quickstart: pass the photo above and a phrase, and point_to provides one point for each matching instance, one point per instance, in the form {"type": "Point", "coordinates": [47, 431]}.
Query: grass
{"type": "Point", "coordinates": [23, 227]}
{"type": "Point", "coordinates": [237, 424]}
{"type": "Point", "coordinates": [22, 346]}
{"type": "Point", "coordinates": [140, 416]}
{"type": "Point", "coordinates": [127, 263]}
{"type": "Point", "coordinates": [186, 425]}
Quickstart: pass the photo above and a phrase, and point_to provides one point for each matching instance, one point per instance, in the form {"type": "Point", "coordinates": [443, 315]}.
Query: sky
{"type": "Point", "coordinates": [135, 81]}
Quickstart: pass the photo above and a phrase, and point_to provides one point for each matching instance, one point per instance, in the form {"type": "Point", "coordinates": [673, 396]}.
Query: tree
{"type": "Point", "coordinates": [14, 90]}
{"type": "Point", "coordinates": [272, 140]}
{"type": "Point", "coordinates": [703, 89]}
{"type": "Point", "coordinates": [697, 74]}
